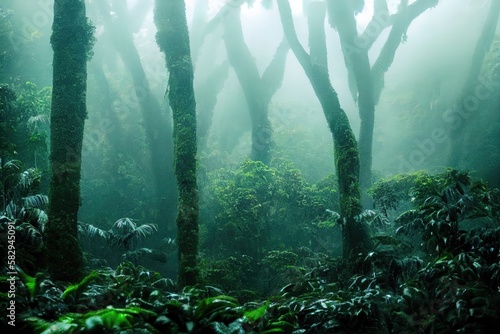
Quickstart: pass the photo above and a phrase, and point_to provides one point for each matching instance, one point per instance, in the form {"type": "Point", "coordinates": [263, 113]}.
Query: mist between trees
{"type": "Point", "coordinates": [220, 141]}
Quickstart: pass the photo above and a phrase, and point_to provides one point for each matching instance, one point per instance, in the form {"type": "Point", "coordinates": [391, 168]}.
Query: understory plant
{"type": "Point", "coordinates": [124, 236]}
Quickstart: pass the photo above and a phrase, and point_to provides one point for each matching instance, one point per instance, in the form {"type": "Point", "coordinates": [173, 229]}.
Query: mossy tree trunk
{"type": "Point", "coordinates": [72, 38]}
{"type": "Point", "coordinates": [343, 15]}
{"type": "Point", "coordinates": [258, 90]}
{"type": "Point", "coordinates": [365, 82]}
{"type": "Point", "coordinates": [173, 40]}
{"type": "Point", "coordinates": [355, 235]}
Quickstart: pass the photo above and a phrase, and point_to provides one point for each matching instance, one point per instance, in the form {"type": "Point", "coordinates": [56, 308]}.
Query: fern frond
{"type": "Point", "coordinates": [31, 233]}
{"type": "Point", "coordinates": [91, 231]}
{"type": "Point", "coordinates": [28, 177]}
{"type": "Point", "coordinates": [124, 224]}
{"type": "Point", "coordinates": [36, 201]}
{"type": "Point", "coordinates": [35, 121]}
{"type": "Point", "coordinates": [145, 230]}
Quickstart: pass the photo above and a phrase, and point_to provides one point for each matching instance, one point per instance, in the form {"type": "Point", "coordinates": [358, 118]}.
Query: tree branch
{"type": "Point", "coordinates": [402, 21]}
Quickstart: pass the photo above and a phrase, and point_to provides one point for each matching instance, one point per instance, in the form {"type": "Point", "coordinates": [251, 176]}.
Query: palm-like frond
{"type": "Point", "coordinates": [36, 217]}
{"type": "Point", "coordinates": [124, 225]}
{"type": "Point", "coordinates": [409, 222]}
{"type": "Point", "coordinates": [12, 166]}
{"type": "Point", "coordinates": [125, 231]}
{"type": "Point", "coordinates": [38, 120]}
{"type": "Point", "coordinates": [31, 233]}
{"type": "Point", "coordinates": [91, 231]}
{"type": "Point", "coordinates": [144, 230]}
{"type": "Point", "coordinates": [366, 215]}
{"type": "Point", "coordinates": [36, 201]}
{"type": "Point", "coordinates": [12, 211]}
{"type": "Point", "coordinates": [28, 177]}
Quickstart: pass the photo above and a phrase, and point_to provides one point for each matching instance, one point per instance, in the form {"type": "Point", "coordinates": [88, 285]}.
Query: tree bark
{"type": "Point", "coordinates": [72, 39]}
{"type": "Point", "coordinates": [357, 59]}
{"type": "Point", "coordinates": [173, 40]}
{"type": "Point", "coordinates": [355, 235]}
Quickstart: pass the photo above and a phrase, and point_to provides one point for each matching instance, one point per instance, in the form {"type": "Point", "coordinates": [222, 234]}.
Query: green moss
{"type": "Point", "coordinates": [72, 41]}
{"type": "Point", "coordinates": [173, 40]}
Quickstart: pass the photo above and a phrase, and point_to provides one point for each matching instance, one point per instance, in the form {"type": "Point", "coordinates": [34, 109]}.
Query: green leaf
{"type": "Point", "coordinates": [31, 283]}
{"type": "Point", "coordinates": [208, 306]}
{"type": "Point", "coordinates": [76, 289]}
{"type": "Point", "coordinates": [258, 313]}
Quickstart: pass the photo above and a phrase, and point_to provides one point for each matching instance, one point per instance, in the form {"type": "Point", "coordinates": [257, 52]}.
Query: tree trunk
{"type": "Point", "coordinates": [469, 90]}
{"type": "Point", "coordinates": [258, 90]}
{"type": "Point", "coordinates": [72, 38]}
{"type": "Point", "coordinates": [357, 59]}
{"type": "Point", "coordinates": [355, 235]}
{"type": "Point", "coordinates": [366, 83]}
{"type": "Point", "coordinates": [157, 125]}
{"type": "Point", "coordinates": [173, 40]}
{"type": "Point", "coordinates": [246, 70]}
{"type": "Point", "coordinates": [207, 100]}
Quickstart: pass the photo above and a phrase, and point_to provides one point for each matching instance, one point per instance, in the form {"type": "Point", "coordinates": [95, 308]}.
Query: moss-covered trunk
{"type": "Point", "coordinates": [354, 233]}
{"type": "Point", "coordinates": [173, 39]}
{"type": "Point", "coordinates": [342, 13]}
{"type": "Point", "coordinates": [71, 41]}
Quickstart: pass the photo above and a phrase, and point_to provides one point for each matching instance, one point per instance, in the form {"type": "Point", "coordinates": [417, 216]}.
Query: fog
{"type": "Point", "coordinates": [418, 123]}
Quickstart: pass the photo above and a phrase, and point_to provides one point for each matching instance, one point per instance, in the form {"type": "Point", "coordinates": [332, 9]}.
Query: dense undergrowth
{"type": "Point", "coordinates": [435, 268]}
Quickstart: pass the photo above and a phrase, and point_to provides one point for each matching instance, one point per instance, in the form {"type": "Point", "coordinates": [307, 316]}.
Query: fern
{"type": "Point", "coordinates": [36, 201]}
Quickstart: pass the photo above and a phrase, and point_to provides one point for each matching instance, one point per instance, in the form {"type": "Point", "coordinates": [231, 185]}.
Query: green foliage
{"type": "Point", "coordinates": [441, 203]}
{"type": "Point", "coordinates": [390, 294]}
{"type": "Point", "coordinates": [108, 319]}
{"type": "Point", "coordinates": [257, 314]}
{"type": "Point", "coordinates": [255, 209]}
{"type": "Point", "coordinates": [390, 194]}
{"type": "Point", "coordinates": [32, 284]}
{"type": "Point", "coordinates": [76, 289]}
{"type": "Point", "coordinates": [8, 121]}
{"type": "Point", "coordinates": [437, 206]}
{"type": "Point", "coordinates": [23, 207]}
{"type": "Point", "coordinates": [124, 236]}
{"type": "Point", "coordinates": [25, 123]}
{"type": "Point", "coordinates": [258, 206]}
{"type": "Point", "coordinates": [125, 233]}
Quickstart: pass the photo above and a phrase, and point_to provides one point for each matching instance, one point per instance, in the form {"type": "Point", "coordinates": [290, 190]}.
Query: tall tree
{"type": "Point", "coordinates": [173, 39]}
{"type": "Point", "coordinates": [72, 40]}
{"type": "Point", "coordinates": [343, 15]}
{"type": "Point", "coordinates": [206, 100]}
{"type": "Point", "coordinates": [157, 125]}
{"type": "Point", "coordinates": [466, 105]}
{"type": "Point", "coordinates": [354, 233]}
{"type": "Point", "coordinates": [258, 90]}
{"type": "Point", "coordinates": [366, 82]}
